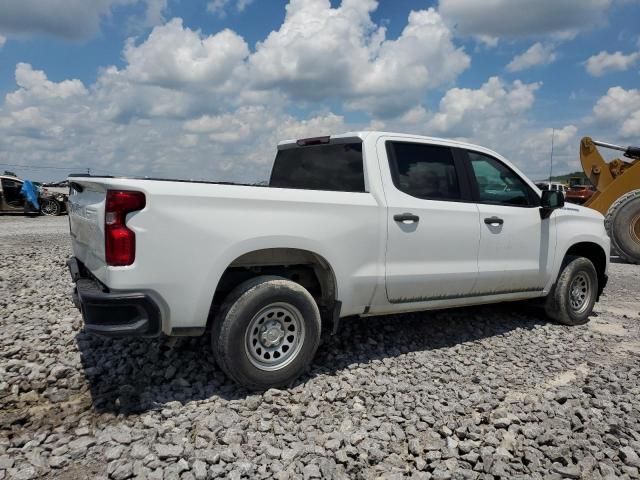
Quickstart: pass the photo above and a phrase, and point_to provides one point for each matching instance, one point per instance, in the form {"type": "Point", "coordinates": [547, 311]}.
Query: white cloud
{"type": "Point", "coordinates": [233, 126]}
{"type": "Point", "coordinates": [32, 110]}
{"type": "Point", "coordinates": [131, 128]}
{"type": "Point", "coordinates": [323, 124]}
{"type": "Point", "coordinates": [68, 19]}
{"type": "Point", "coordinates": [220, 7]}
{"type": "Point", "coordinates": [180, 72]}
{"type": "Point", "coordinates": [3, 40]}
{"type": "Point", "coordinates": [523, 18]}
{"type": "Point", "coordinates": [619, 112]}
{"type": "Point", "coordinates": [493, 108]}
{"type": "Point", "coordinates": [243, 4]}
{"type": "Point", "coordinates": [488, 41]}
{"type": "Point", "coordinates": [537, 54]}
{"type": "Point", "coordinates": [532, 150]}
{"type": "Point", "coordinates": [174, 56]}
{"type": "Point", "coordinates": [321, 52]}
{"type": "Point", "coordinates": [618, 103]}
{"type": "Point", "coordinates": [36, 87]}
{"type": "Point", "coordinates": [606, 62]}
{"type": "Point", "coordinates": [192, 105]}
{"type": "Point", "coordinates": [565, 142]}
{"type": "Point", "coordinates": [631, 127]}
{"type": "Point", "coordinates": [155, 12]}
{"type": "Point", "coordinates": [495, 115]}
{"type": "Point", "coordinates": [176, 72]}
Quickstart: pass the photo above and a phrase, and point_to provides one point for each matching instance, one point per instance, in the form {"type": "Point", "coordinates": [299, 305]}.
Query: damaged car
{"type": "Point", "coordinates": [14, 200]}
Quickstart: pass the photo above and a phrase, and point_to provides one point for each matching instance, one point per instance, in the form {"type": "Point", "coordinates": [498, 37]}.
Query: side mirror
{"type": "Point", "coordinates": [551, 200]}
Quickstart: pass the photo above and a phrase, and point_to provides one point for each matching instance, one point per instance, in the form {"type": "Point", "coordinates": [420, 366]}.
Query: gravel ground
{"type": "Point", "coordinates": [491, 392]}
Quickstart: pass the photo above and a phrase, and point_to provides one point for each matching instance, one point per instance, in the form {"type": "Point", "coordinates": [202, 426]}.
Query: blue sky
{"type": "Point", "coordinates": [205, 89]}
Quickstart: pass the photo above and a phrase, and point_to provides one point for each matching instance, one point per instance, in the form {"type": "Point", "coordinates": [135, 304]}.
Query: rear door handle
{"type": "Point", "coordinates": [493, 221]}
{"type": "Point", "coordinates": [406, 218]}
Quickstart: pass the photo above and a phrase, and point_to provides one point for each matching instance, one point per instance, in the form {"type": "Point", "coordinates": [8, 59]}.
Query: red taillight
{"type": "Point", "coordinates": [120, 242]}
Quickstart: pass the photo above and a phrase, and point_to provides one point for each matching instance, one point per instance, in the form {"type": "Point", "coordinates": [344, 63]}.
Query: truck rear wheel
{"type": "Point", "coordinates": [623, 226]}
{"type": "Point", "coordinates": [572, 298]}
{"type": "Point", "coordinates": [266, 332]}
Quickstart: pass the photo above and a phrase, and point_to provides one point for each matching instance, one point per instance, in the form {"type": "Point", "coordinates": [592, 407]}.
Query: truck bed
{"type": "Point", "coordinates": [189, 232]}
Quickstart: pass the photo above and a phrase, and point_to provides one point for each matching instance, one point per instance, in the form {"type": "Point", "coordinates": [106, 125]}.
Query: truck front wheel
{"type": "Point", "coordinates": [266, 332]}
{"type": "Point", "coordinates": [572, 298]}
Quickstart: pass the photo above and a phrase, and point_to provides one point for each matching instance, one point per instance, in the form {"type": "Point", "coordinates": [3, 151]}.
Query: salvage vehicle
{"type": "Point", "coordinates": [358, 224]}
{"type": "Point", "coordinates": [560, 187]}
{"type": "Point", "coordinates": [579, 194]}
{"type": "Point", "coordinates": [12, 201]}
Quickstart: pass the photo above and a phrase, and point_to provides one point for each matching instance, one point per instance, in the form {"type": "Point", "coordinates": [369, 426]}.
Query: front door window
{"type": "Point", "coordinates": [11, 192]}
{"type": "Point", "coordinates": [497, 184]}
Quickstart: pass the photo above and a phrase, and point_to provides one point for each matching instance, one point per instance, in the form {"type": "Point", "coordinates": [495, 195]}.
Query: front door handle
{"type": "Point", "coordinates": [493, 221]}
{"type": "Point", "coordinates": [406, 218]}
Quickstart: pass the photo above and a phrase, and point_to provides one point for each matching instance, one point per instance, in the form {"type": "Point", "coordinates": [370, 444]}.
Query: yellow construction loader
{"type": "Point", "coordinates": [618, 194]}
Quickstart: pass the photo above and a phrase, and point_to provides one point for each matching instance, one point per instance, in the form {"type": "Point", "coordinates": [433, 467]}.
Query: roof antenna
{"type": "Point", "coordinates": [553, 134]}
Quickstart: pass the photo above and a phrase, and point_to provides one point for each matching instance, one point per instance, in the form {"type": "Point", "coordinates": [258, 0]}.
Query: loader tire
{"type": "Point", "coordinates": [574, 294]}
{"type": "Point", "coordinates": [622, 223]}
{"type": "Point", "coordinates": [266, 332]}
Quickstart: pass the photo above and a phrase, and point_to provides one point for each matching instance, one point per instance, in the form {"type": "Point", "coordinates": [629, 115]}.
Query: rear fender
{"type": "Point", "coordinates": [254, 244]}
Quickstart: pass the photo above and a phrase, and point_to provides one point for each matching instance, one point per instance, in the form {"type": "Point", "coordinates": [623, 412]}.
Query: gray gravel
{"type": "Point", "coordinates": [491, 392]}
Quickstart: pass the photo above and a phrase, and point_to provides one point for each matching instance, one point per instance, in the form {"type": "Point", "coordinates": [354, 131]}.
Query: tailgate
{"type": "Point", "coordinates": [86, 223]}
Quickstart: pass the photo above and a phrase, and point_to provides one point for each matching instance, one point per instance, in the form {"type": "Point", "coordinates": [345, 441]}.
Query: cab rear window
{"type": "Point", "coordinates": [333, 167]}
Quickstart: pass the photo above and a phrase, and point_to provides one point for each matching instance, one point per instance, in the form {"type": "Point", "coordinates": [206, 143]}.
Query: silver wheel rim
{"type": "Point", "coordinates": [274, 336]}
{"type": "Point", "coordinates": [580, 293]}
{"type": "Point", "coordinates": [49, 207]}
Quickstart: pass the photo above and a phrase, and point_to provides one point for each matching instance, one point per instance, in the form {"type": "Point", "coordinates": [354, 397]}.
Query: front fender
{"type": "Point", "coordinates": [577, 229]}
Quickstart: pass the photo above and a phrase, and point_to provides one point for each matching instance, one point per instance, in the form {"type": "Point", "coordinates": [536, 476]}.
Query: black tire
{"type": "Point", "coordinates": [623, 226]}
{"type": "Point", "coordinates": [50, 207]}
{"type": "Point", "coordinates": [243, 320]}
{"type": "Point", "coordinates": [563, 302]}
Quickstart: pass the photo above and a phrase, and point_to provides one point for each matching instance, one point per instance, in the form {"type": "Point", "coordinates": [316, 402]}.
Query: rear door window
{"type": "Point", "coordinates": [424, 171]}
{"type": "Point", "coordinates": [335, 167]}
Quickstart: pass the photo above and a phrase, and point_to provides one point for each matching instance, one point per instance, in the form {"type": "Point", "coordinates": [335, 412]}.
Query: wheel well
{"type": "Point", "coordinates": [596, 254]}
{"type": "Point", "coordinates": [301, 266]}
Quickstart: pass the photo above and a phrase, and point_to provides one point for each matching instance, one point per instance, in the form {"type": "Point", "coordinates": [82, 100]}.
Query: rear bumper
{"type": "Point", "coordinates": [112, 313]}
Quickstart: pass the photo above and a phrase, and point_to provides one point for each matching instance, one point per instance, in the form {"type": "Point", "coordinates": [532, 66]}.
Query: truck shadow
{"type": "Point", "coordinates": [131, 376]}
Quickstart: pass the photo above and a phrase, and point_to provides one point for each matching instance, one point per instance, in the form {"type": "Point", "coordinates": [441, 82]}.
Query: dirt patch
{"type": "Point", "coordinates": [608, 328]}
{"type": "Point", "coordinates": [565, 378]}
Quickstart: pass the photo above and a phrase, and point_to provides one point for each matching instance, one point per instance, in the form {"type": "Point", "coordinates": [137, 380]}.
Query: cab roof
{"type": "Point", "coordinates": [362, 134]}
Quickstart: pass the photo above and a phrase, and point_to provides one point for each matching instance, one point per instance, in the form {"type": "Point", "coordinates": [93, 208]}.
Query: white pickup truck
{"type": "Point", "coordinates": [364, 223]}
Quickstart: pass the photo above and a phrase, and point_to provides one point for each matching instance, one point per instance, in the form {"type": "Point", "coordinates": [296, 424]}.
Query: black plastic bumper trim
{"type": "Point", "coordinates": [187, 331]}
{"type": "Point", "coordinates": [112, 313]}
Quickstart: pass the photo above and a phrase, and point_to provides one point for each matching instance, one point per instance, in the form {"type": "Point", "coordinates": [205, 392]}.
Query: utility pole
{"type": "Point", "coordinates": [89, 171]}
{"type": "Point", "coordinates": [553, 134]}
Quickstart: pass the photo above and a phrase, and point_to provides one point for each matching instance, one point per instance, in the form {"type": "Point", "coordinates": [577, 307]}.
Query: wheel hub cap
{"type": "Point", "coordinates": [579, 292]}
{"type": "Point", "coordinates": [48, 206]}
{"type": "Point", "coordinates": [271, 334]}
{"type": "Point", "coordinates": [274, 336]}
